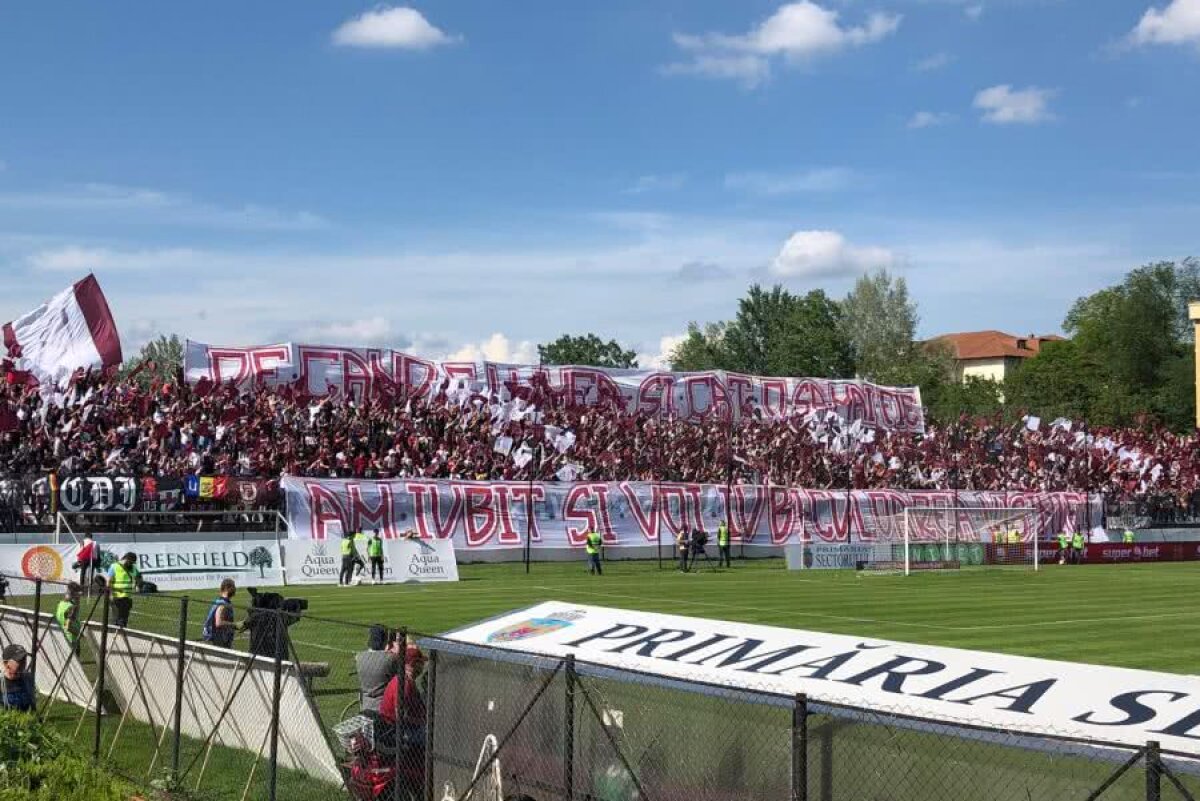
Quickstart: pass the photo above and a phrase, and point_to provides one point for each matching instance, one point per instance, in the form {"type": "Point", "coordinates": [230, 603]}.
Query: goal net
{"type": "Point", "coordinates": [948, 538]}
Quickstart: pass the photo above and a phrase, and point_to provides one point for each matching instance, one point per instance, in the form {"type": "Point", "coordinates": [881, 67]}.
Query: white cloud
{"type": "Point", "coordinates": [400, 27]}
{"type": "Point", "coordinates": [368, 331]}
{"type": "Point", "coordinates": [662, 359]}
{"type": "Point", "coordinates": [796, 32]}
{"type": "Point", "coordinates": [934, 62]}
{"type": "Point", "coordinates": [1003, 105]}
{"type": "Point", "coordinates": [820, 179]}
{"type": "Point", "coordinates": [827, 254]}
{"type": "Point", "coordinates": [80, 260]}
{"type": "Point", "coordinates": [1176, 23]}
{"type": "Point", "coordinates": [974, 11]}
{"type": "Point", "coordinates": [153, 205]}
{"type": "Point", "coordinates": [657, 183]}
{"type": "Point", "coordinates": [496, 348]}
{"type": "Point", "coordinates": [928, 119]}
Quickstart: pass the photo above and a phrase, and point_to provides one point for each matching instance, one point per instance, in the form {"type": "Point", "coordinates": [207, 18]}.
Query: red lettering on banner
{"type": "Point", "coordinates": [406, 369]}
{"type": "Point", "coordinates": [265, 363]}
{"type": "Point", "coordinates": [743, 524]}
{"type": "Point", "coordinates": [717, 400]}
{"type": "Point", "coordinates": [655, 394]}
{"type": "Point", "coordinates": [852, 405]}
{"type": "Point", "coordinates": [507, 533]}
{"type": "Point", "coordinates": [809, 396]}
{"type": "Point", "coordinates": [324, 507]}
{"type": "Point", "coordinates": [585, 387]}
{"type": "Point", "coordinates": [529, 495]}
{"type": "Point", "coordinates": [593, 515]}
{"type": "Point", "coordinates": [219, 357]}
{"type": "Point", "coordinates": [363, 516]}
{"type": "Point", "coordinates": [465, 370]}
{"type": "Point", "coordinates": [356, 376]}
{"type": "Point", "coordinates": [774, 396]}
{"type": "Point", "coordinates": [681, 508]}
{"type": "Point", "coordinates": [781, 514]}
{"type": "Point", "coordinates": [647, 522]}
{"type": "Point", "coordinates": [739, 389]}
{"type": "Point", "coordinates": [478, 505]}
{"type": "Point", "coordinates": [427, 510]}
{"type": "Point", "coordinates": [311, 356]}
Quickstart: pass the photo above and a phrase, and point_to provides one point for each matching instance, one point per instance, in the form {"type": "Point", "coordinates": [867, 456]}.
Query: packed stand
{"type": "Point", "coordinates": [115, 427]}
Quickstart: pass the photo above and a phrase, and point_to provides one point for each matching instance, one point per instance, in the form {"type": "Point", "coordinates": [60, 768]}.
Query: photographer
{"type": "Point", "coordinates": [699, 541]}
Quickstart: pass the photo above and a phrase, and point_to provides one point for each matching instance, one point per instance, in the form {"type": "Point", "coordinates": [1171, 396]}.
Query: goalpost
{"type": "Point", "coordinates": [947, 538]}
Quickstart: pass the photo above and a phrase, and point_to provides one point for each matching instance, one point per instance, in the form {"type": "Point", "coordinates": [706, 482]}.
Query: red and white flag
{"type": "Point", "coordinates": [72, 330]}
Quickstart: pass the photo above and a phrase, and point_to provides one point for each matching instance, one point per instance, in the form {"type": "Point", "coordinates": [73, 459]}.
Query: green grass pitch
{"type": "Point", "coordinates": [1136, 615]}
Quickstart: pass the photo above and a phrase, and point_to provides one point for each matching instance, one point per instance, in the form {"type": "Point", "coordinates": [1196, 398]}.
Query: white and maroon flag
{"type": "Point", "coordinates": [72, 330]}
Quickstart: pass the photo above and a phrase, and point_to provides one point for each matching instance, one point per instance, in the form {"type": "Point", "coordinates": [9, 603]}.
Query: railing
{"type": "Point", "coordinates": [280, 715]}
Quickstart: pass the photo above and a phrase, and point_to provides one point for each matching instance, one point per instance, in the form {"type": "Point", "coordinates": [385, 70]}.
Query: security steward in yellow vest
{"type": "Point", "coordinates": [723, 558]}
{"type": "Point", "coordinates": [375, 557]}
{"type": "Point", "coordinates": [594, 544]}
{"type": "Point", "coordinates": [1014, 537]}
{"type": "Point", "coordinates": [1077, 548]}
{"type": "Point", "coordinates": [349, 559]}
{"type": "Point", "coordinates": [124, 579]}
{"type": "Point", "coordinates": [1064, 547]}
{"type": "Point", "coordinates": [1128, 538]}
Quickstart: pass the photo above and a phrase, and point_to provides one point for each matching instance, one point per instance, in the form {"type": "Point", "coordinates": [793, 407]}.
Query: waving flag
{"type": "Point", "coordinates": [72, 330]}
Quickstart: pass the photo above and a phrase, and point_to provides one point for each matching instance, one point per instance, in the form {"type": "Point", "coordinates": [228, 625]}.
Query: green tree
{"type": "Point", "coordinates": [702, 349]}
{"type": "Point", "coordinates": [880, 322]}
{"type": "Point", "coordinates": [775, 333]}
{"type": "Point", "coordinates": [1058, 382]}
{"type": "Point", "coordinates": [159, 358]}
{"type": "Point", "coordinates": [588, 349]}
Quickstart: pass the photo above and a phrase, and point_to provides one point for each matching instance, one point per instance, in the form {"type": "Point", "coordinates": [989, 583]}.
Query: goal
{"type": "Point", "coordinates": [947, 538]}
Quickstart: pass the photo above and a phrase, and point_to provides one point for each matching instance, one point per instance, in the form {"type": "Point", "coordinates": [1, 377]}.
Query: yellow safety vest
{"type": "Point", "coordinates": [123, 580]}
{"type": "Point", "coordinates": [374, 547]}
{"type": "Point", "coordinates": [1078, 541]}
{"type": "Point", "coordinates": [1014, 537]}
{"type": "Point", "coordinates": [592, 544]}
{"type": "Point", "coordinates": [347, 546]}
{"type": "Point", "coordinates": [722, 535]}
{"type": "Point", "coordinates": [1127, 537]}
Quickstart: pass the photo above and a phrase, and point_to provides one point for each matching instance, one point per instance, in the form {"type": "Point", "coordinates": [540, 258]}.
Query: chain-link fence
{"type": "Point", "coordinates": [306, 707]}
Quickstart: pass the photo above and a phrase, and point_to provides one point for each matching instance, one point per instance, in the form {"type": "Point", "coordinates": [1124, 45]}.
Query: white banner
{"type": "Point", "coordinates": [827, 555]}
{"type": "Point", "coordinates": [421, 561]}
{"type": "Point", "coordinates": [170, 565]}
{"type": "Point", "coordinates": [321, 370]}
{"type": "Point", "coordinates": [404, 560]}
{"type": "Point", "coordinates": [1022, 694]}
{"type": "Point", "coordinates": [496, 515]}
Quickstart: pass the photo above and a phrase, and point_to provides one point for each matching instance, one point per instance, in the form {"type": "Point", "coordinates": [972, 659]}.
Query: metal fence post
{"type": "Point", "coordinates": [569, 732]}
{"type": "Point", "coordinates": [800, 748]}
{"type": "Point", "coordinates": [401, 705]}
{"type": "Point", "coordinates": [1153, 772]}
{"type": "Point", "coordinates": [277, 684]}
{"type": "Point", "coordinates": [101, 666]}
{"type": "Point", "coordinates": [37, 620]}
{"type": "Point", "coordinates": [179, 667]}
{"type": "Point", "coordinates": [430, 711]}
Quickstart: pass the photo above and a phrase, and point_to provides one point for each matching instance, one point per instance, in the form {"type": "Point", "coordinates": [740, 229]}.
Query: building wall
{"type": "Point", "coordinates": [992, 369]}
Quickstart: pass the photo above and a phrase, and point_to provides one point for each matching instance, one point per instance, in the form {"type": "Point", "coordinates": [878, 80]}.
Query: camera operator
{"type": "Point", "coordinates": [268, 621]}
{"type": "Point", "coordinates": [699, 541]}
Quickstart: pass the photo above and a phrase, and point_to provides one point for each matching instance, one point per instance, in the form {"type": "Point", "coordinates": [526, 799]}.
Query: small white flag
{"type": "Point", "coordinates": [503, 445]}
{"type": "Point", "coordinates": [1033, 423]}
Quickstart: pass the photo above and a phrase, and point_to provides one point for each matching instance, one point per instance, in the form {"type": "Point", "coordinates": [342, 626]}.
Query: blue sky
{"type": "Point", "coordinates": [476, 177]}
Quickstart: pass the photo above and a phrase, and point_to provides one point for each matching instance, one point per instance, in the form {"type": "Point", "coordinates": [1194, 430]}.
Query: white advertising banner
{"type": "Point", "coordinates": [1023, 694]}
{"type": "Point", "coordinates": [481, 516]}
{"type": "Point", "coordinates": [421, 560]}
{"type": "Point", "coordinates": [170, 565]}
{"type": "Point", "coordinates": [323, 370]}
{"type": "Point", "coordinates": [404, 560]}
{"type": "Point", "coordinates": [826, 555]}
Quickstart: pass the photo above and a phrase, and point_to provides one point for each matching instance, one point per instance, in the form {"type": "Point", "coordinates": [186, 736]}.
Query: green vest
{"type": "Point", "coordinates": [1127, 537]}
{"type": "Point", "coordinates": [1077, 541]}
{"type": "Point", "coordinates": [374, 547]}
{"type": "Point", "coordinates": [123, 580]}
{"type": "Point", "coordinates": [347, 546]}
{"type": "Point", "coordinates": [593, 543]}
{"type": "Point", "coordinates": [722, 535]}
{"type": "Point", "coordinates": [1064, 540]}
{"type": "Point", "coordinates": [62, 614]}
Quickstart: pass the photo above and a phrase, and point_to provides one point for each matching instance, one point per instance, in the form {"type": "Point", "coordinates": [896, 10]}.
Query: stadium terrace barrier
{"type": "Point", "coordinates": [471, 722]}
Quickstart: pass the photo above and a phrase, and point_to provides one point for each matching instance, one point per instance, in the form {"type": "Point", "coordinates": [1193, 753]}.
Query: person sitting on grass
{"type": "Point", "coordinates": [16, 682]}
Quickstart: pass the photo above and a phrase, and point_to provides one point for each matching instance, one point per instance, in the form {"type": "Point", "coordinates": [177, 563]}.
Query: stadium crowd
{"type": "Point", "coordinates": [120, 427]}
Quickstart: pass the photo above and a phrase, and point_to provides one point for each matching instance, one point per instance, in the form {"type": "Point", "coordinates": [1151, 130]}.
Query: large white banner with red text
{"type": "Point", "coordinates": [321, 371]}
{"type": "Point", "coordinates": [494, 515]}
